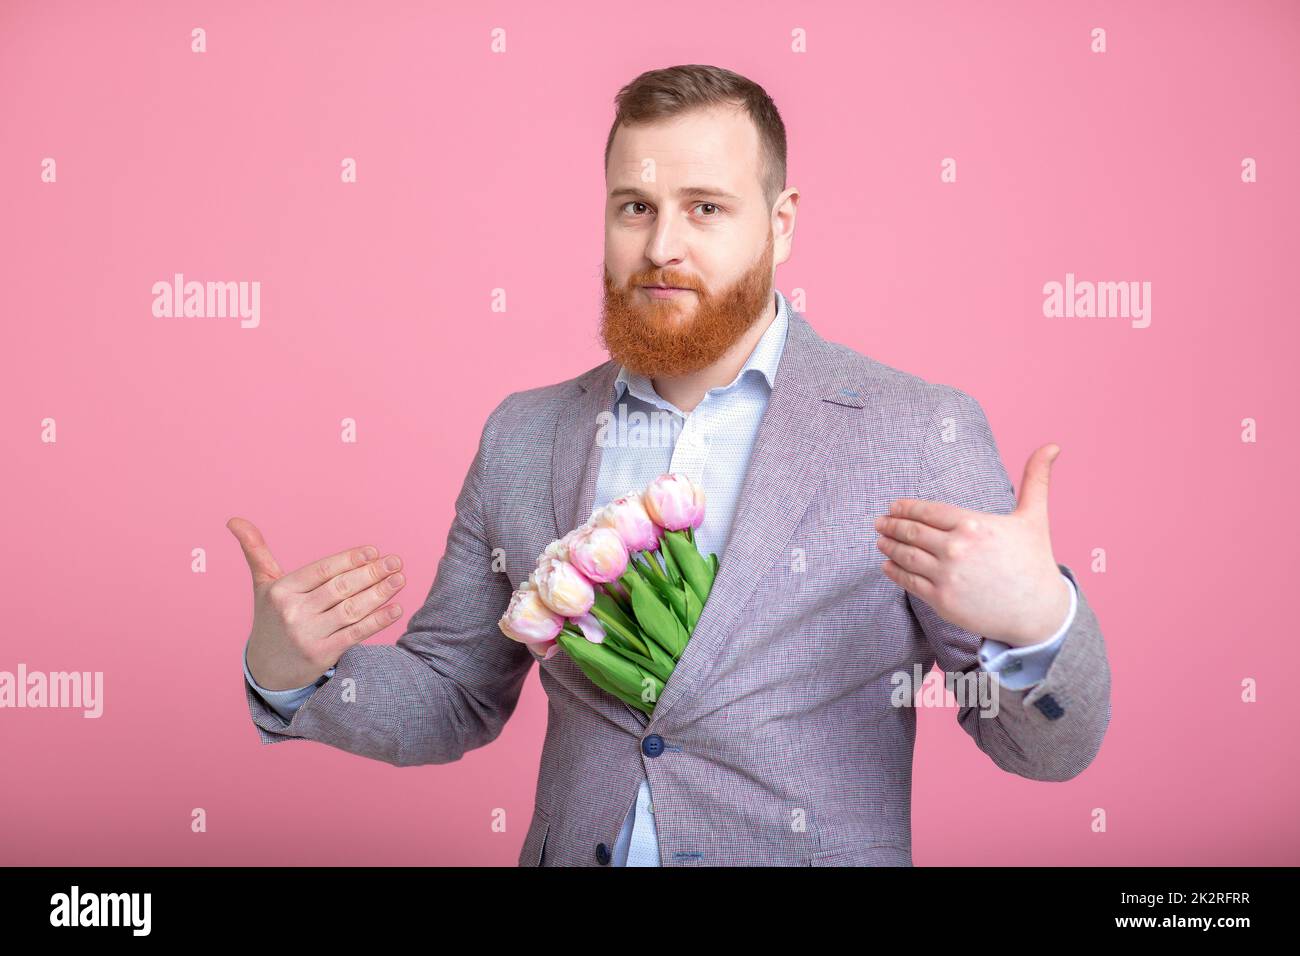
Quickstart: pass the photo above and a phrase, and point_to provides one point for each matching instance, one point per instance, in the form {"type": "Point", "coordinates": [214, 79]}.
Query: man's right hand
{"type": "Point", "coordinates": [304, 621]}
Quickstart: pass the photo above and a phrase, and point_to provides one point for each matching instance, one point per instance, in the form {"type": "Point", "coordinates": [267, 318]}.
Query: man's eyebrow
{"type": "Point", "coordinates": [683, 192]}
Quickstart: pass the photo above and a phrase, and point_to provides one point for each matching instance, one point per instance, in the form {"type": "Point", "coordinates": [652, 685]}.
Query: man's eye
{"type": "Point", "coordinates": [712, 215]}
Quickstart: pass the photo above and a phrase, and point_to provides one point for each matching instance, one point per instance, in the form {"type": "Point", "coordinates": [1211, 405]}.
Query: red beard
{"type": "Point", "coordinates": [677, 336]}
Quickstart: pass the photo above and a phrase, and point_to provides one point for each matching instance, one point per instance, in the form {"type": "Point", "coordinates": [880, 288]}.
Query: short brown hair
{"type": "Point", "coordinates": [657, 94]}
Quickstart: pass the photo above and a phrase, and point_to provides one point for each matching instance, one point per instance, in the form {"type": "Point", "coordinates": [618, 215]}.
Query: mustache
{"type": "Point", "coordinates": [674, 279]}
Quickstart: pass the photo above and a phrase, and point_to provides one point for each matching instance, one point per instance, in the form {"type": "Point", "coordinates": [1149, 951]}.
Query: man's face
{"type": "Point", "coordinates": [700, 225]}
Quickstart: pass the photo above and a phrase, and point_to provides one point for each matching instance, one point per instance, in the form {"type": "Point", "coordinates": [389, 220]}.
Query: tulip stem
{"type": "Point", "coordinates": [652, 564]}
{"type": "Point", "coordinates": [616, 630]}
{"type": "Point", "coordinates": [624, 604]}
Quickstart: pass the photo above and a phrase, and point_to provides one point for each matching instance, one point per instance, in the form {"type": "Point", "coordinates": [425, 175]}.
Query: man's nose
{"type": "Point", "coordinates": [666, 246]}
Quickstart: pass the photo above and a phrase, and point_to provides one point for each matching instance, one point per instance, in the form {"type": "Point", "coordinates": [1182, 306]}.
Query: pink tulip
{"type": "Point", "coordinates": [544, 650]}
{"type": "Point", "coordinates": [559, 548]}
{"type": "Point", "coordinates": [563, 588]}
{"type": "Point", "coordinates": [599, 553]}
{"type": "Point", "coordinates": [528, 619]}
{"type": "Point", "coordinates": [675, 502]}
{"type": "Point", "coordinates": [628, 516]}
{"type": "Point", "coordinates": [591, 628]}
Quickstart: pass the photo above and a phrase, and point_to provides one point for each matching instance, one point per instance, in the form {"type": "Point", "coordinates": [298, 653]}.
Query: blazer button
{"type": "Point", "coordinates": [652, 746]}
{"type": "Point", "coordinates": [1050, 708]}
{"type": "Point", "coordinates": [602, 854]}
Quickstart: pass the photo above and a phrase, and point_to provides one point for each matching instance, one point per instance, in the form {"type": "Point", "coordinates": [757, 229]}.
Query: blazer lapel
{"type": "Point", "coordinates": [575, 469]}
{"type": "Point", "coordinates": [575, 463]}
{"type": "Point", "coordinates": [813, 399]}
{"type": "Point", "coordinates": [810, 405]}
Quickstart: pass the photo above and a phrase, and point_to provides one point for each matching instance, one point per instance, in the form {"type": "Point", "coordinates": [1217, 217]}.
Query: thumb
{"type": "Point", "coordinates": [260, 560]}
{"type": "Point", "coordinates": [1033, 486]}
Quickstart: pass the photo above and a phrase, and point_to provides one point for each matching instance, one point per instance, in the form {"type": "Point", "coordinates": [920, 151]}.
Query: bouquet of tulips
{"type": "Point", "coordinates": [602, 594]}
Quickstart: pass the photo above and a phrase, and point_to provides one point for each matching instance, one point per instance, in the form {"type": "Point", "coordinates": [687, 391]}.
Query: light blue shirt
{"type": "Point", "coordinates": [647, 436]}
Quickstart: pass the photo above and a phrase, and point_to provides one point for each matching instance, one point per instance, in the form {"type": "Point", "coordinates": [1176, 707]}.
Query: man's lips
{"type": "Point", "coordinates": [663, 292]}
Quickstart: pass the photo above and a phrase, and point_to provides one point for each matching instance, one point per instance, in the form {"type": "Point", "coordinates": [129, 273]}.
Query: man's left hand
{"type": "Point", "coordinates": [993, 575]}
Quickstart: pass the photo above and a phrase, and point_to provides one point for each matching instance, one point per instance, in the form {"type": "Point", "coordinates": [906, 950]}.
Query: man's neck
{"type": "Point", "coordinates": [687, 391]}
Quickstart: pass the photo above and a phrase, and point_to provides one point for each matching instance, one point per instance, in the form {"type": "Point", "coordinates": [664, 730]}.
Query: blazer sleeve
{"type": "Point", "coordinates": [1052, 729]}
{"type": "Point", "coordinates": [449, 683]}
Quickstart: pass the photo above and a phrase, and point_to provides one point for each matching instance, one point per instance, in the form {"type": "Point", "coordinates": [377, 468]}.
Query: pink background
{"type": "Point", "coordinates": [481, 170]}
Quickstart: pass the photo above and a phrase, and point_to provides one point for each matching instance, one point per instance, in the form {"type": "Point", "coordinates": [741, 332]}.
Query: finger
{"type": "Point", "coordinates": [912, 583]}
{"type": "Point", "coordinates": [348, 583]}
{"type": "Point", "coordinates": [368, 626]}
{"type": "Point", "coordinates": [311, 576]}
{"type": "Point", "coordinates": [911, 559]}
{"type": "Point", "coordinates": [357, 607]}
{"type": "Point", "coordinates": [1033, 485]}
{"type": "Point", "coordinates": [261, 562]}
{"type": "Point", "coordinates": [915, 533]}
{"type": "Point", "coordinates": [934, 513]}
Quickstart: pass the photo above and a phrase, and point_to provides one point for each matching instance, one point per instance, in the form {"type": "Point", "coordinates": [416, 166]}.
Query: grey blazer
{"type": "Point", "coordinates": [775, 741]}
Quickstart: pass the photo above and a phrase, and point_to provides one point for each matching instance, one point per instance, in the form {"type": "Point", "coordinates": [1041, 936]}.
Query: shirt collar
{"type": "Point", "coordinates": [763, 361]}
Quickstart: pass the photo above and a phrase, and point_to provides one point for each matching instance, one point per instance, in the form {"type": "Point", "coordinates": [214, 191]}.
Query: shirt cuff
{"type": "Point", "coordinates": [1019, 668]}
{"type": "Point", "coordinates": [283, 702]}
